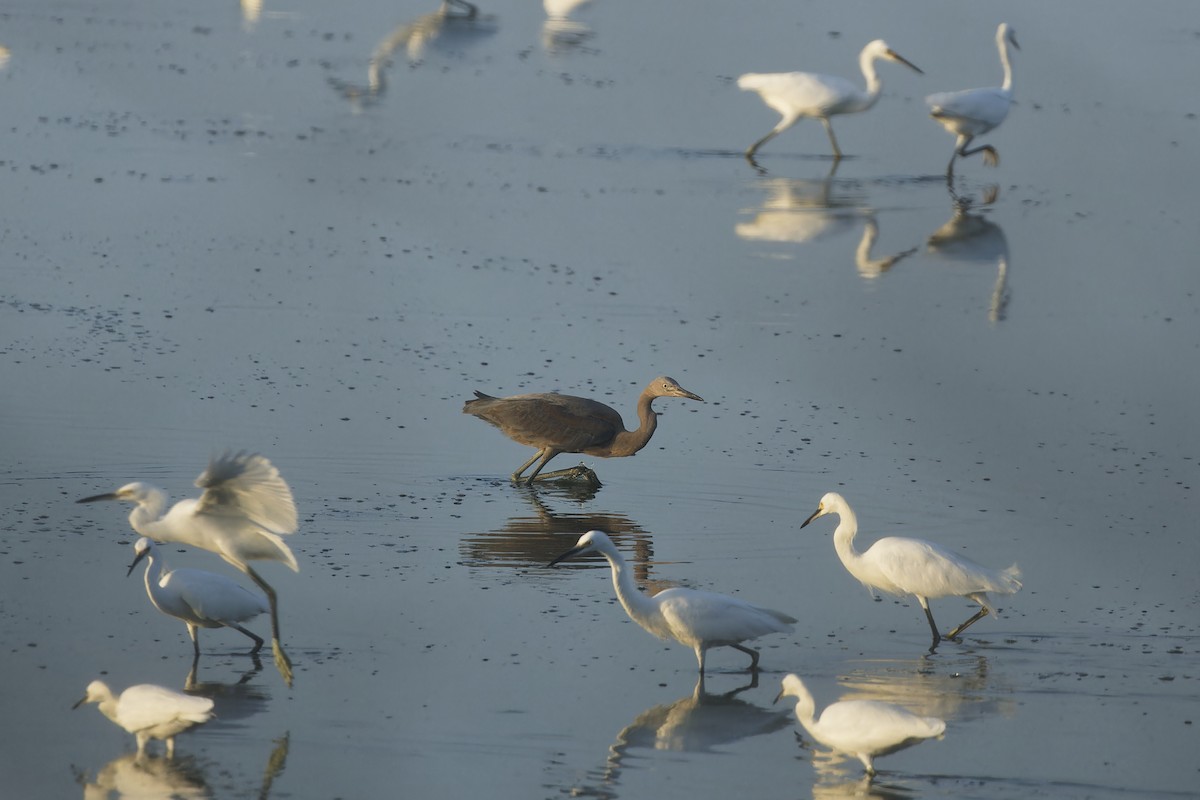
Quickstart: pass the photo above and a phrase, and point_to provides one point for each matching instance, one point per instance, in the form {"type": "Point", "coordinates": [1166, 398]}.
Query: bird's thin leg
{"type": "Point", "coordinates": [170, 747]}
{"type": "Point", "coordinates": [258, 642]}
{"type": "Point", "coordinates": [983, 612]}
{"type": "Point", "coordinates": [866, 760]}
{"type": "Point", "coordinates": [752, 149]}
{"type": "Point", "coordinates": [547, 455]}
{"type": "Point", "coordinates": [190, 682]}
{"type": "Point", "coordinates": [194, 632]}
{"type": "Point", "coordinates": [937, 637]}
{"type": "Point", "coordinates": [750, 652]}
{"type": "Point", "coordinates": [516, 476]}
{"type": "Point", "coordinates": [837, 151]}
{"type": "Point", "coordinates": [990, 156]}
{"type": "Point", "coordinates": [700, 654]}
{"type": "Point", "coordinates": [282, 662]}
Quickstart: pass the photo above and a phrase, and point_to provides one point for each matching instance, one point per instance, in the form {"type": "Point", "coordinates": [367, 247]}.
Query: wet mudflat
{"type": "Point", "coordinates": [314, 231]}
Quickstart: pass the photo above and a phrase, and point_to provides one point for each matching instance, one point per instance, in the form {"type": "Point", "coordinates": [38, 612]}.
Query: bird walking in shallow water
{"type": "Point", "coordinates": [900, 566]}
{"type": "Point", "coordinates": [974, 112]}
{"type": "Point", "coordinates": [563, 423]}
{"type": "Point", "coordinates": [200, 599]}
{"type": "Point", "coordinates": [242, 515]}
{"type": "Point", "coordinates": [805, 94]}
{"type": "Point", "coordinates": [864, 729]}
{"type": "Point", "coordinates": [149, 712]}
{"type": "Point", "coordinates": [691, 617]}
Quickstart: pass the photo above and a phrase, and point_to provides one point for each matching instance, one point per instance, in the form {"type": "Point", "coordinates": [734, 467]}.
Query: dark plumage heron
{"type": "Point", "coordinates": [563, 423]}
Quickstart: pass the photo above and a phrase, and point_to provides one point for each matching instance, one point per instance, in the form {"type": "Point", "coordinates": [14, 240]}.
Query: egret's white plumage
{"type": "Point", "coordinates": [974, 112]}
{"type": "Point", "coordinates": [900, 566]}
{"type": "Point", "coordinates": [149, 712]}
{"type": "Point", "coordinates": [242, 515]}
{"type": "Point", "coordinates": [691, 617]}
{"type": "Point", "coordinates": [201, 599]}
{"type": "Point", "coordinates": [864, 729]}
{"type": "Point", "coordinates": [805, 94]}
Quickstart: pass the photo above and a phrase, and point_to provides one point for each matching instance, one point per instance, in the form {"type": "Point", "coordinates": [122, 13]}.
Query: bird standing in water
{"type": "Point", "coordinates": [563, 423]}
{"type": "Point", "coordinates": [149, 712]}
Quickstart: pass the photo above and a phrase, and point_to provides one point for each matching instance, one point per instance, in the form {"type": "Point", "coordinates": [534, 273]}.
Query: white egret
{"type": "Point", "coordinates": [864, 729]}
{"type": "Point", "coordinates": [201, 599]}
{"type": "Point", "coordinates": [149, 712]}
{"type": "Point", "coordinates": [240, 516]}
{"type": "Point", "coordinates": [974, 112]}
{"type": "Point", "coordinates": [806, 94]}
{"type": "Point", "coordinates": [691, 617]}
{"type": "Point", "coordinates": [900, 566]}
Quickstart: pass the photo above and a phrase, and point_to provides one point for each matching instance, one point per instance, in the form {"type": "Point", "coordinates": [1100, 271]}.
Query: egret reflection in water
{"type": "Point", "coordinates": [804, 211]}
{"type": "Point", "coordinates": [454, 25]}
{"type": "Point", "coordinates": [147, 778]}
{"type": "Point", "coordinates": [969, 238]}
{"type": "Point", "coordinates": [560, 33]}
{"type": "Point", "coordinates": [960, 687]}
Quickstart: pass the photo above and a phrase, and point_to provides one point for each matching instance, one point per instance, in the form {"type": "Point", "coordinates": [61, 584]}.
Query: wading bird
{"type": "Point", "coordinates": [691, 617]}
{"type": "Point", "coordinates": [974, 112]}
{"type": "Point", "coordinates": [864, 729]}
{"type": "Point", "coordinates": [806, 94]}
{"type": "Point", "coordinates": [200, 599]}
{"type": "Point", "coordinates": [900, 566]}
{"type": "Point", "coordinates": [241, 515]}
{"type": "Point", "coordinates": [563, 423]}
{"type": "Point", "coordinates": [149, 712]}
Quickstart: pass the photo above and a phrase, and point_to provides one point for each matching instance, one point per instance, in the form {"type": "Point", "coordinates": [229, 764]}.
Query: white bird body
{"type": "Point", "coordinates": [200, 599]}
{"type": "Point", "coordinates": [150, 712]}
{"type": "Point", "coordinates": [241, 516]}
{"type": "Point", "coordinates": [864, 729]}
{"type": "Point", "coordinates": [974, 112]}
{"type": "Point", "coordinates": [902, 566]}
{"type": "Point", "coordinates": [806, 94]}
{"type": "Point", "coordinates": [692, 617]}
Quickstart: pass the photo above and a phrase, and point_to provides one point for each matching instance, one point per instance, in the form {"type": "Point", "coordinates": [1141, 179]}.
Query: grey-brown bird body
{"type": "Point", "coordinates": [563, 423]}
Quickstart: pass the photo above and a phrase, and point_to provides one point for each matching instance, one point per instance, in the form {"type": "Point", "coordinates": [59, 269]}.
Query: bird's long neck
{"type": "Point", "coordinates": [108, 706]}
{"type": "Point", "coordinates": [637, 605]}
{"type": "Point", "coordinates": [149, 510]}
{"type": "Point", "coordinates": [866, 62]}
{"type": "Point", "coordinates": [1002, 43]}
{"type": "Point", "coordinates": [843, 541]}
{"type": "Point", "coordinates": [154, 571]}
{"type": "Point", "coordinates": [626, 443]}
{"type": "Point", "coordinates": [805, 710]}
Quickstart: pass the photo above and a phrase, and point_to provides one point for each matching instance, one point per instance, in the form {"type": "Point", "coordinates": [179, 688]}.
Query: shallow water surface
{"type": "Point", "coordinates": [313, 231]}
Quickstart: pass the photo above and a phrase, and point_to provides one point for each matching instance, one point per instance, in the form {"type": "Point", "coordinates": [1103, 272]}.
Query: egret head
{"type": "Point", "coordinates": [590, 542]}
{"type": "Point", "coordinates": [96, 691]}
{"type": "Point", "coordinates": [794, 687]}
{"type": "Point", "coordinates": [136, 492]}
{"type": "Point", "coordinates": [1006, 33]}
{"type": "Point", "coordinates": [141, 547]}
{"type": "Point", "coordinates": [831, 503]}
{"type": "Point", "coordinates": [879, 49]}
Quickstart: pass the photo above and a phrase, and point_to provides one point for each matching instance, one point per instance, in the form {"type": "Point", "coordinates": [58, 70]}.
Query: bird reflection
{"type": "Point", "coordinates": [949, 688]}
{"type": "Point", "coordinates": [560, 33]}
{"type": "Point", "coordinates": [803, 211]}
{"type": "Point", "coordinates": [251, 13]}
{"type": "Point", "coordinates": [832, 785]}
{"type": "Point", "coordinates": [969, 238]}
{"type": "Point", "coordinates": [695, 723]}
{"type": "Point", "coordinates": [454, 22]}
{"type": "Point", "coordinates": [539, 538]}
{"type": "Point", "coordinates": [147, 778]}
{"type": "Point", "coordinates": [232, 700]}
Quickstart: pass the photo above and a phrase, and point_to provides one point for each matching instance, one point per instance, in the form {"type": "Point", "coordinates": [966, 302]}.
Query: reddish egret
{"type": "Point", "coordinates": [200, 599]}
{"type": "Point", "coordinates": [150, 712]}
{"type": "Point", "coordinates": [691, 617]}
{"type": "Point", "coordinates": [806, 94]}
{"type": "Point", "coordinates": [562, 423]}
{"type": "Point", "coordinates": [899, 566]}
{"type": "Point", "coordinates": [974, 112]}
{"type": "Point", "coordinates": [240, 516]}
{"type": "Point", "coordinates": [860, 728]}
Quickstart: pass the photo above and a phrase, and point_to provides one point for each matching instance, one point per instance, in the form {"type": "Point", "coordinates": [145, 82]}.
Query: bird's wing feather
{"type": "Point", "coordinates": [802, 93]}
{"type": "Point", "coordinates": [146, 705]}
{"type": "Point", "coordinates": [215, 597]}
{"type": "Point", "coordinates": [565, 422]}
{"type": "Point", "coordinates": [924, 568]}
{"type": "Point", "coordinates": [718, 618]}
{"type": "Point", "coordinates": [986, 106]}
{"type": "Point", "coordinates": [874, 727]}
{"type": "Point", "coordinates": [247, 485]}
